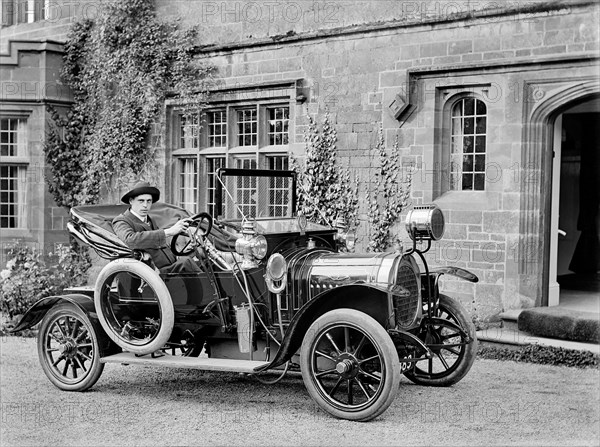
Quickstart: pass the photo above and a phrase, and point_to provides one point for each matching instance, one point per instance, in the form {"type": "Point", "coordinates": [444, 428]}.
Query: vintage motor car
{"type": "Point", "coordinates": [275, 293]}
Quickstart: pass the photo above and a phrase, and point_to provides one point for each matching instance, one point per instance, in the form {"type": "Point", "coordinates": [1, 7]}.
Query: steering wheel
{"type": "Point", "coordinates": [190, 245]}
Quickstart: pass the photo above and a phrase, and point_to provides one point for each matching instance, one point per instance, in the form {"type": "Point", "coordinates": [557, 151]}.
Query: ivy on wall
{"type": "Point", "coordinates": [389, 195]}
{"type": "Point", "coordinates": [325, 190]}
{"type": "Point", "coordinates": [120, 67]}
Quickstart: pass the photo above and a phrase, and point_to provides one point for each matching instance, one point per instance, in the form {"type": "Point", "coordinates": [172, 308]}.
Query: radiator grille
{"type": "Point", "coordinates": [406, 307]}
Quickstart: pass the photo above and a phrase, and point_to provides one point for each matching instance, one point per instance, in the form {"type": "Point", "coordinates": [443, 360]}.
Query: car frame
{"type": "Point", "coordinates": [275, 293]}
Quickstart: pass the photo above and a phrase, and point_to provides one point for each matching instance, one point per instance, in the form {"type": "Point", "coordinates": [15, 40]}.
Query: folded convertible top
{"type": "Point", "coordinates": [92, 224]}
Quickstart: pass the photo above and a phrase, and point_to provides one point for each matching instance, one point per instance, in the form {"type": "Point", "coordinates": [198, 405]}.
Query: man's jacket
{"type": "Point", "coordinates": [138, 235]}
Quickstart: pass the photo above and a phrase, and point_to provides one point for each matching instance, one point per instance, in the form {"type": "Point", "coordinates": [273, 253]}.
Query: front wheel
{"type": "Point", "coordinates": [454, 350]}
{"type": "Point", "coordinates": [349, 365]}
{"type": "Point", "coordinates": [68, 348]}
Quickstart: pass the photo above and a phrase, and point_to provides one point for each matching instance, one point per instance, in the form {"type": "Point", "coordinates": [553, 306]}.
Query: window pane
{"type": "Point", "coordinates": [189, 131]}
{"type": "Point", "coordinates": [246, 191]}
{"type": "Point", "coordinates": [456, 146]}
{"type": "Point", "coordinates": [13, 137]}
{"type": "Point", "coordinates": [479, 144]}
{"type": "Point", "coordinates": [457, 110]}
{"type": "Point", "coordinates": [480, 163]}
{"type": "Point", "coordinates": [217, 128]}
{"type": "Point", "coordinates": [457, 126]}
{"type": "Point", "coordinates": [188, 184]}
{"type": "Point", "coordinates": [480, 126]}
{"type": "Point", "coordinates": [469, 106]}
{"type": "Point", "coordinates": [11, 199]}
{"type": "Point", "coordinates": [468, 145]}
{"type": "Point", "coordinates": [278, 125]}
{"type": "Point", "coordinates": [279, 199]}
{"type": "Point", "coordinates": [479, 182]}
{"type": "Point", "coordinates": [247, 127]}
{"type": "Point", "coordinates": [467, 181]}
{"type": "Point", "coordinates": [469, 128]}
{"type": "Point", "coordinates": [467, 163]}
{"type": "Point", "coordinates": [481, 108]}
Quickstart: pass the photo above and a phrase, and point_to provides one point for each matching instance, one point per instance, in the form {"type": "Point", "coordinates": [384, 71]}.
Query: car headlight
{"type": "Point", "coordinates": [425, 222]}
{"type": "Point", "coordinates": [276, 271]}
{"type": "Point", "coordinates": [259, 246]}
{"type": "Point", "coordinates": [276, 267]}
{"type": "Point", "coordinates": [252, 246]}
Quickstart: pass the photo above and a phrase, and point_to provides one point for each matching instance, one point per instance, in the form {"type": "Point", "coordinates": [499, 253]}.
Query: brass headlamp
{"type": "Point", "coordinates": [425, 222]}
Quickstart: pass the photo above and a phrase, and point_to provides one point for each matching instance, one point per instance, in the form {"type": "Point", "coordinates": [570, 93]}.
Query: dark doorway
{"type": "Point", "coordinates": [579, 250]}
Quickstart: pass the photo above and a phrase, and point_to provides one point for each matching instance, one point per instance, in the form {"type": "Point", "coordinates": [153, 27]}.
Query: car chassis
{"type": "Point", "coordinates": [275, 293]}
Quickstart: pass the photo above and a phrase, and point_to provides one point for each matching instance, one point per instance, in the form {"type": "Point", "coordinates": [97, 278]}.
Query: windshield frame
{"type": "Point", "coordinates": [233, 172]}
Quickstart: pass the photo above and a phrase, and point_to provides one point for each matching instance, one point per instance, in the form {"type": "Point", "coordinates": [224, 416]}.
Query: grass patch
{"type": "Point", "coordinates": [545, 355]}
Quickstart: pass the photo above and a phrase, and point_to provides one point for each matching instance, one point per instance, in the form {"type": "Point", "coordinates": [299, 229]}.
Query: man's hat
{"type": "Point", "coordinates": [139, 189]}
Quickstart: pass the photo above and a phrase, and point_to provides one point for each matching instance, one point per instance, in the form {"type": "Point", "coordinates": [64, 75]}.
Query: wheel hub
{"type": "Point", "coordinates": [346, 366]}
{"type": "Point", "coordinates": [433, 338]}
{"type": "Point", "coordinates": [67, 347]}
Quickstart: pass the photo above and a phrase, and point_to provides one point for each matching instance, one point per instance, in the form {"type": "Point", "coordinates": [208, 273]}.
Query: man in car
{"type": "Point", "coordinates": [139, 232]}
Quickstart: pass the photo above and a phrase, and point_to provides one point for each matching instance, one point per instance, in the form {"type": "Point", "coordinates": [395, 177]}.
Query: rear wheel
{"type": "Point", "coordinates": [349, 365]}
{"type": "Point", "coordinates": [454, 351]}
{"type": "Point", "coordinates": [68, 348]}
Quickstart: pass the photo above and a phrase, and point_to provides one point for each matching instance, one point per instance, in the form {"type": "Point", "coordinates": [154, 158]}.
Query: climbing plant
{"type": "Point", "coordinates": [388, 195]}
{"type": "Point", "coordinates": [120, 67]}
{"type": "Point", "coordinates": [325, 189]}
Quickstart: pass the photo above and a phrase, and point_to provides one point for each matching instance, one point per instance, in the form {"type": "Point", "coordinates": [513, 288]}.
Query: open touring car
{"type": "Point", "coordinates": [275, 292]}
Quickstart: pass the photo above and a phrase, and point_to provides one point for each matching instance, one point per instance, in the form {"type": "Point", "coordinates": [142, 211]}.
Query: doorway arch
{"type": "Point", "coordinates": [536, 187]}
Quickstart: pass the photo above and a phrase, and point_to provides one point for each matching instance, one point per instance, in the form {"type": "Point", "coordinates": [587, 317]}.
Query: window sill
{"type": "Point", "coordinates": [15, 160]}
{"type": "Point", "coordinates": [217, 150]}
{"type": "Point", "coordinates": [274, 149]}
{"type": "Point", "coordinates": [11, 233]}
{"type": "Point", "coordinates": [184, 152]}
{"type": "Point", "coordinates": [243, 150]}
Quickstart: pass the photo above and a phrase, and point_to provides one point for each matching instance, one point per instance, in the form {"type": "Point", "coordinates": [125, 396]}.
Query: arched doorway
{"type": "Point", "coordinates": [575, 222]}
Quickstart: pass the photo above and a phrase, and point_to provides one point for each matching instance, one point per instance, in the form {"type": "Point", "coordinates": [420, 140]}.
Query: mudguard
{"type": "Point", "coordinates": [349, 296]}
{"type": "Point", "coordinates": [456, 271]}
{"type": "Point", "coordinates": [36, 312]}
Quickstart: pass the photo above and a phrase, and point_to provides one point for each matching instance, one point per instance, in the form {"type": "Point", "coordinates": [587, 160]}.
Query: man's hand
{"type": "Point", "coordinates": [179, 227]}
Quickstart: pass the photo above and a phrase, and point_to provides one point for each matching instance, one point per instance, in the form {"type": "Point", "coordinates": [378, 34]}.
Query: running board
{"type": "Point", "coordinates": [174, 361]}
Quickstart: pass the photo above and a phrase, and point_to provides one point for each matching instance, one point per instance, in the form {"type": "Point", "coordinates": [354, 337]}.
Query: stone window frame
{"type": "Point", "coordinates": [447, 97]}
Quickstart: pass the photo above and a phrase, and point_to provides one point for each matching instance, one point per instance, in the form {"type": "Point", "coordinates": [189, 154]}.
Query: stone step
{"type": "Point", "coordinates": [510, 319]}
{"type": "Point", "coordinates": [174, 361]}
{"type": "Point", "coordinates": [562, 323]}
{"type": "Point", "coordinates": [510, 338]}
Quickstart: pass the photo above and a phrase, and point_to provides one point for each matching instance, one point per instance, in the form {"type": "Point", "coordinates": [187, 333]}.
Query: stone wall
{"type": "Point", "coordinates": [355, 57]}
{"type": "Point", "coordinates": [356, 73]}
{"type": "Point", "coordinates": [60, 14]}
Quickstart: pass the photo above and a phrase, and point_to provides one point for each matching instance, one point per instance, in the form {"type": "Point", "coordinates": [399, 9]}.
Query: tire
{"type": "Point", "coordinates": [68, 348]}
{"type": "Point", "coordinates": [333, 373]}
{"type": "Point", "coordinates": [449, 364]}
{"type": "Point", "coordinates": [115, 313]}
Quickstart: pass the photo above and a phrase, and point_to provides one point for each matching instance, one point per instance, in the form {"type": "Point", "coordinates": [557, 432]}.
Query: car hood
{"type": "Point", "coordinates": [313, 272]}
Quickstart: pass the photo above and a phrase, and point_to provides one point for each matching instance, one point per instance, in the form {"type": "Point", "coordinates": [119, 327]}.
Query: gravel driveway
{"type": "Point", "coordinates": [498, 403]}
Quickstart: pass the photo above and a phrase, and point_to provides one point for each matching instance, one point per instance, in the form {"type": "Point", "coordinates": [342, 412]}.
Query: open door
{"type": "Point", "coordinates": [575, 221]}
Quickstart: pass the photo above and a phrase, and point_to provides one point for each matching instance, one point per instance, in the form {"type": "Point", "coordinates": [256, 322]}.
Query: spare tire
{"type": "Point", "coordinates": [134, 306]}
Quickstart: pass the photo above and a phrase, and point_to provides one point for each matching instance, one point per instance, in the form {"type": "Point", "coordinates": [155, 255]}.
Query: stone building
{"type": "Point", "coordinates": [495, 106]}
